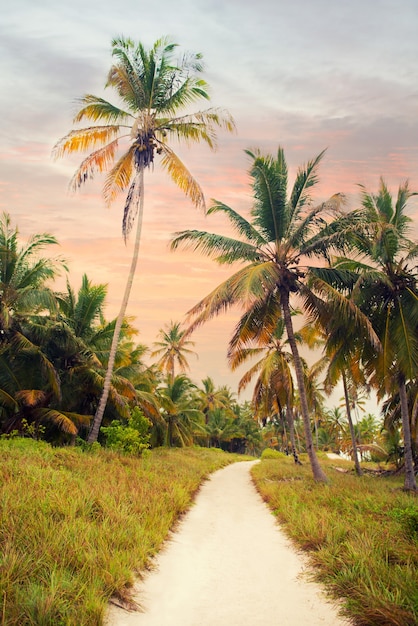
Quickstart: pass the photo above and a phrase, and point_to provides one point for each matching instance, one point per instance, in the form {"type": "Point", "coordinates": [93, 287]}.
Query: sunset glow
{"type": "Point", "coordinates": [303, 75]}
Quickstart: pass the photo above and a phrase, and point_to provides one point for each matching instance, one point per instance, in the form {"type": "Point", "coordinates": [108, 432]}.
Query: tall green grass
{"type": "Point", "coordinates": [76, 526]}
{"type": "Point", "coordinates": [361, 534]}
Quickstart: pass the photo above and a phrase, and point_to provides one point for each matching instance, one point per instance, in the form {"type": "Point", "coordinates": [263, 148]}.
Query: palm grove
{"type": "Point", "coordinates": [302, 274]}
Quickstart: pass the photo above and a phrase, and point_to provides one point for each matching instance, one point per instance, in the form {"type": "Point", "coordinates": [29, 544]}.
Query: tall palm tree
{"type": "Point", "coordinates": [153, 88]}
{"type": "Point", "coordinates": [284, 233]}
{"type": "Point", "coordinates": [173, 348]}
{"type": "Point", "coordinates": [386, 290]}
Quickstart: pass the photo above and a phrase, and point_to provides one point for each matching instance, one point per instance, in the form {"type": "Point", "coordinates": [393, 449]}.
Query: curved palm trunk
{"type": "Point", "coordinates": [95, 427]}
{"type": "Point", "coordinates": [351, 426]}
{"type": "Point", "coordinates": [410, 482]}
{"type": "Point", "coordinates": [317, 470]}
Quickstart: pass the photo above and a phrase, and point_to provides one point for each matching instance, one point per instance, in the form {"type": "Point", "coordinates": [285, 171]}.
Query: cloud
{"type": "Point", "coordinates": [304, 75]}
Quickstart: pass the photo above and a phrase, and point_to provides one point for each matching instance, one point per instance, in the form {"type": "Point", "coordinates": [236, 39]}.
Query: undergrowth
{"type": "Point", "coordinates": [75, 527]}
{"type": "Point", "coordinates": [361, 535]}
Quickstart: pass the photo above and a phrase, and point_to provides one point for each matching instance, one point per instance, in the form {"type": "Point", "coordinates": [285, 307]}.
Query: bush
{"type": "Point", "coordinates": [270, 453]}
{"type": "Point", "coordinates": [131, 439]}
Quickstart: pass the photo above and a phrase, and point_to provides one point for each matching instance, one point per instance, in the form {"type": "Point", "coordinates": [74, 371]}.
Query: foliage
{"type": "Point", "coordinates": [132, 438]}
{"type": "Point", "coordinates": [270, 453]}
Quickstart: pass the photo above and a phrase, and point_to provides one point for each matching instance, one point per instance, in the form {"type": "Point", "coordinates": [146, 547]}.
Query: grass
{"type": "Point", "coordinates": [361, 535]}
{"type": "Point", "coordinates": [75, 527]}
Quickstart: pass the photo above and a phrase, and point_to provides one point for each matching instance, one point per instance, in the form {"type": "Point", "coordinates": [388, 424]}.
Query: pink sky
{"type": "Point", "coordinates": [307, 76]}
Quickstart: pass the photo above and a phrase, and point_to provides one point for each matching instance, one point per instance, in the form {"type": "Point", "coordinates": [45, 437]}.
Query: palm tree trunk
{"type": "Point", "coordinates": [95, 427]}
{"type": "Point", "coordinates": [359, 471]}
{"type": "Point", "coordinates": [317, 471]}
{"type": "Point", "coordinates": [289, 417]}
{"type": "Point", "coordinates": [410, 482]}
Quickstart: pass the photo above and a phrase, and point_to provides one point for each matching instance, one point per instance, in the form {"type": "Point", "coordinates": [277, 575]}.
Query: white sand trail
{"type": "Point", "coordinates": [228, 564]}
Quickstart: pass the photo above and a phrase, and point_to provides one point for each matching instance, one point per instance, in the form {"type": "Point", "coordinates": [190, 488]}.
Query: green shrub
{"type": "Point", "coordinates": [270, 453]}
{"type": "Point", "coordinates": [131, 439]}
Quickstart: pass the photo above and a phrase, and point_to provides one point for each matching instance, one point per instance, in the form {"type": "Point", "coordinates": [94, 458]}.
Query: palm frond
{"type": "Point", "coordinates": [119, 177]}
{"type": "Point", "coordinates": [97, 109]}
{"type": "Point", "coordinates": [314, 236]}
{"type": "Point", "coordinates": [199, 126]}
{"type": "Point", "coordinates": [258, 324]}
{"type": "Point", "coordinates": [84, 139]}
{"type": "Point", "coordinates": [242, 226]}
{"type": "Point", "coordinates": [244, 287]}
{"type": "Point", "coordinates": [8, 401]}
{"type": "Point", "coordinates": [306, 178]}
{"type": "Point", "coordinates": [337, 305]}
{"type": "Point", "coordinates": [182, 177]}
{"type": "Point", "coordinates": [98, 161]}
{"type": "Point", "coordinates": [270, 189]}
{"type": "Point", "coordinates": [63, 421]}
{"type": "Point", "coordinates": [222, 249]}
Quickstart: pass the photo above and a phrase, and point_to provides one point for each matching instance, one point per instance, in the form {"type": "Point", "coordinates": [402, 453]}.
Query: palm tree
{"type": "Point", "coordinates": [79, 344]}
{"type": "Point", "coordinates": [212, 398]}
{"type": "Point", "coordinates": [386, 291]}
{"type": "Point", "coordinates": [285, 231]}
{"type": "Point", "coordinates": [153, 88]}
{"type": "Point", "coordinates": [24, 275]}
{"type": "Point", "coordinates": [173, 348]}
{"type": "Point", "coordinates": [343, 351]}
{"type": "Point", "coordinates": [335, 424]}
{"type": "Point", "coordinates": [83, 311]}
{"type": "Point", "coordinates": [220, 428]}
{"type": "Point", "coordinates": [274, 389]}
{"type": "Point", "coordinates": [178, 408]}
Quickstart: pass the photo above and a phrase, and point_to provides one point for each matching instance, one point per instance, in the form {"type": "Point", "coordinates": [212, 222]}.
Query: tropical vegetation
{"type": "Point", "coordinates": [351, 272]}
{"type": "Point", "coordinates": [81, 399]}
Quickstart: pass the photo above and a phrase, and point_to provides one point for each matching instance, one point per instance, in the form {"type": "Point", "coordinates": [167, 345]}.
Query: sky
{"type": "Point", "coordinates": [305, 75]}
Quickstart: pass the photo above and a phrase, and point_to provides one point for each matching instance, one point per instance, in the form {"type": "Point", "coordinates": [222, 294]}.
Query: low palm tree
{"type": "Point", "coordinates": [25, 275]}
{"type": "Point", "coordinates": [173, 347]}
{"type": "Point", "coordinates": [79, 344]}
{"type": "Point", "coordinates": [220, 428]}
{"type": "Point", "coordinates": [342, 359]}
{"type": "Point", "coordinates": [275, 246]}
{"type": "Point", "coordinates": [153, 88]}
{"type": "Point", "coordinates": [274, 388]}
{"type": "Point", "coordinates": [211, 398]}
{"type": "Point", "coordinates": [178, 409]}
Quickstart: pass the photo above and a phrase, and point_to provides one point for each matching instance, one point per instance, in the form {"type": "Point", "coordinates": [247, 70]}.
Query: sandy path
{"type": "Point", "coordinates": [228, 564]}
